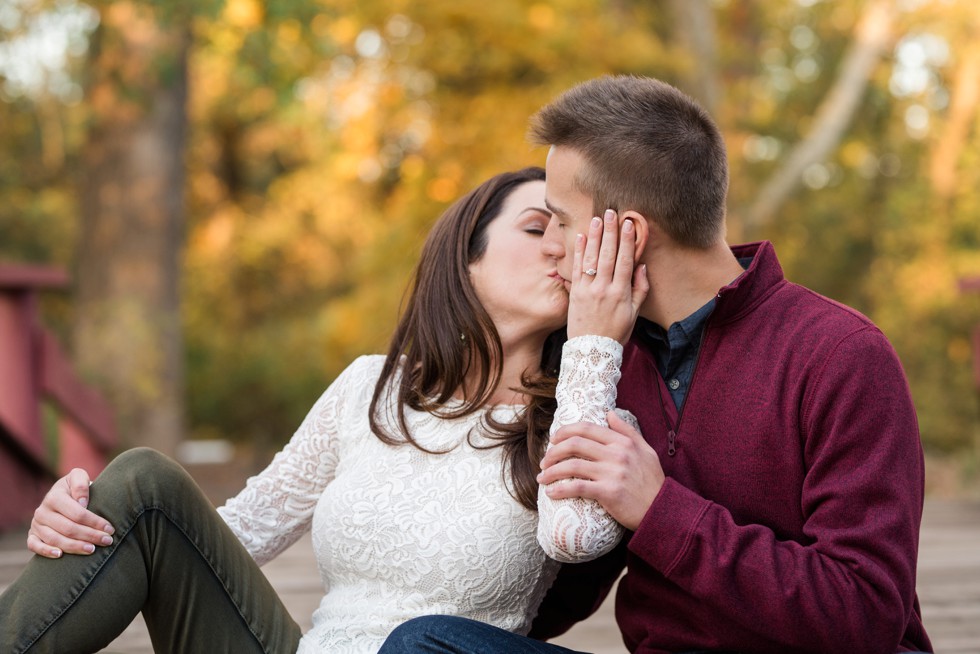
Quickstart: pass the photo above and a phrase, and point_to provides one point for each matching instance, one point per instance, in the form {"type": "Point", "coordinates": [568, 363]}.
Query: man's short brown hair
{"type": "Point", "coordinates": [648, 148]}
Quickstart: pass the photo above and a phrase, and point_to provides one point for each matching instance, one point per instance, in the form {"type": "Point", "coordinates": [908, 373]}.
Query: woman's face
{"type": "Point", "coordinates": [517, 284]}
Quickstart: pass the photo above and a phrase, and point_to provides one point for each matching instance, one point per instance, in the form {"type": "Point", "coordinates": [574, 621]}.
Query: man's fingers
{"type": "Point", "coordinates": [580, 448]}
{"type": "Point", "coordinates": [78, 482]}
{"type": "Point", "coordinates": [575, 488]}
{"type": "Point", "coordinates": [571, 468]}
{"type": "Point", "coordinates": [590, 430]}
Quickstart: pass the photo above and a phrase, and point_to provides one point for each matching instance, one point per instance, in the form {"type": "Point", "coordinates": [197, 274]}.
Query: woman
{"type": "Point", "coordinates": [414, 471]}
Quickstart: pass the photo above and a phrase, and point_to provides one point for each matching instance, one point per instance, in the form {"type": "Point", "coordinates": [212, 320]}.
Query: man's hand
{"type": "Point", "coordinates": [613, 466]}
{"type": "Point", "coordinates": [606, 291]}
{"type": "Point", "coordinates": [63, 524]}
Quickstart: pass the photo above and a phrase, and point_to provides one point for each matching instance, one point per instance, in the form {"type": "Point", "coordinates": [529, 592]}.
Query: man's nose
{"type": "Point", "coordinates": [552, 244]}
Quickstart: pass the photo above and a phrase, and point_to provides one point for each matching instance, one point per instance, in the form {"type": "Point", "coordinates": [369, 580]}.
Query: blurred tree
{"type": "Point", "coordinates": [127, 332]}
{"type": "Point", "coordinates": [325, 136]}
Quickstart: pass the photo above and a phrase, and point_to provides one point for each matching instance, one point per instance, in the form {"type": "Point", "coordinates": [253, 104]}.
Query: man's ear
{"type": "Point", "coordinates": [642, 227]}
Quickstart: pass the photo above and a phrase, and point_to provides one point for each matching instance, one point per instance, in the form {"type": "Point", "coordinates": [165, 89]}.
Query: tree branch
{"type": "Point", "coordinates": [831, 119]}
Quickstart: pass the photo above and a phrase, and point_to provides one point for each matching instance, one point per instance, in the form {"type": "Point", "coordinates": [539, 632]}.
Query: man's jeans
{"type": "Point", "coordinates": [173, 558]}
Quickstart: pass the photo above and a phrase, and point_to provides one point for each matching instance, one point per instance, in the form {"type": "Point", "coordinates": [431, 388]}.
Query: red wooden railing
{"type": "Point", "coordinates": [38, 381]}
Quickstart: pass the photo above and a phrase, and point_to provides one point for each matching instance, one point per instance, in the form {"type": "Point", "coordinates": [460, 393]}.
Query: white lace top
{"type": "Point", "coordinates": [399, 533]}
{"type": "Point", "coordinates": [573, 530]}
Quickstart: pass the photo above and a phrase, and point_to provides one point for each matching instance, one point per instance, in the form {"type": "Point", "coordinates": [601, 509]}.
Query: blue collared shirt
{"type": "Point", "coordinates": [676, 348]}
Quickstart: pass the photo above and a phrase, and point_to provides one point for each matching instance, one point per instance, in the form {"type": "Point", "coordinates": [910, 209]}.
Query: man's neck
{"type": "Point", "coordinates": [683, 280]}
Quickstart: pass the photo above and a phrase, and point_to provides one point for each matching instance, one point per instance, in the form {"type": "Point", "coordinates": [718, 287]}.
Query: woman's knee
{"type": "Point", "coordinates": [142, 469]}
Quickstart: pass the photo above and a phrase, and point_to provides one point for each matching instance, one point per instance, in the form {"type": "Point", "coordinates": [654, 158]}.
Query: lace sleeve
{"type": "Point", "coordinates": [276, 506]}
{"type": "Point", "coordinates": [577, 529]}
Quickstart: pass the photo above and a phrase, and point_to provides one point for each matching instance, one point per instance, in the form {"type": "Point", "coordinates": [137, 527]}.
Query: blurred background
{"type": "Point", "coordinates": [238, 189]}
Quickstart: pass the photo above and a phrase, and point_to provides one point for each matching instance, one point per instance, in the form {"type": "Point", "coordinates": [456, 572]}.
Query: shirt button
{"type": "Point", "coordinates": [673, 384]}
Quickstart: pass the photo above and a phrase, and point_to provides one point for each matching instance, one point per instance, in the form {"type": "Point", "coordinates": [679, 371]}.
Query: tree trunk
{"type": "Point", "coordinates": [965, 96]}
{"type": "Point", "coordinates": [696, 31]}
{"type": "Point", "coordinates": [831, 119]}
{"type": "Point", "coordinates": [127, 325]}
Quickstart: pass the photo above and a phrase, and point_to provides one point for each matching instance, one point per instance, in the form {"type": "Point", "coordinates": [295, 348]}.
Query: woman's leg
{"type": "Point", "coordinates": [173, 558]}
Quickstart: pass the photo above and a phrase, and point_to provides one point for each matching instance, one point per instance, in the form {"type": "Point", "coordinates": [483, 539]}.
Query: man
{"type": "Point", "coordinates": [774, 498]}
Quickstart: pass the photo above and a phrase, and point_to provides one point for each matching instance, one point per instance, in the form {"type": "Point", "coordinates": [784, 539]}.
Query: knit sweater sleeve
{"type": "Point", "coordinates": [850, 586]}
{"type": "Point", "coordinates": [575, 529]}
{"type": "Point", "coordinates": [276, 506]}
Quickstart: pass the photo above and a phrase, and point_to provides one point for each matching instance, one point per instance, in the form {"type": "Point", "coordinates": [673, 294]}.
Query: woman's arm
{"type": "Point", "coordinates": [276, 506]}
{"type": "Point", "coordinates": [603, 305]}
{"type": "Point", "coordinates": [576, 529]}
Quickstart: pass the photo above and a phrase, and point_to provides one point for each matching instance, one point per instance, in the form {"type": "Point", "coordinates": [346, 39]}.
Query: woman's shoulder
{"type": "Point", "coordinates": [364, 365]}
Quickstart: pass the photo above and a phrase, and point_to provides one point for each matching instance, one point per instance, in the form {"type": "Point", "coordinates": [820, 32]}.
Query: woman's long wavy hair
{"type": "Point", "coordinates": [445, 333]}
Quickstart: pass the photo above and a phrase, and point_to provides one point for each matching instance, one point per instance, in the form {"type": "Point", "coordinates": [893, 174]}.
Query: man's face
{"type": "Point", "coordinates": [571, 209]}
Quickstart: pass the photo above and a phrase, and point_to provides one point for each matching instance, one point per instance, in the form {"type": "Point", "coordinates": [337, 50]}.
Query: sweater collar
{"type": "Point", "coordinates": [760, 279]}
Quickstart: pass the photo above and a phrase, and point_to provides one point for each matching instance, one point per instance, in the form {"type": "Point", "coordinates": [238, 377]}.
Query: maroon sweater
{"type": "Point", "coordinates": [789, 521]}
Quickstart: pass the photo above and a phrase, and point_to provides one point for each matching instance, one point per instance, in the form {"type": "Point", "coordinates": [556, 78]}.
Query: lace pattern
{"type": "Point", "coordinates": [396, 532]}
{"type": "Point", "coordinates": [575, 529]}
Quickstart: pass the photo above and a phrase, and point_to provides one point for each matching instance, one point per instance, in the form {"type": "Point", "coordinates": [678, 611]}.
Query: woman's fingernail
{"type": "Point", "coordinates": [596, 222]}
{"type": "Point", "coordinates": [107, 540]}
{"type": "Point", "coordinates": [628, 227]}
{"type": "Point", "coordinates": [88, 547]}
{"type": "Point", "coordinates": [107, 528]}
{"type": "Point", "coordinates": [83, 501]}
{"type": "Point", "coordinates": [610, 215]}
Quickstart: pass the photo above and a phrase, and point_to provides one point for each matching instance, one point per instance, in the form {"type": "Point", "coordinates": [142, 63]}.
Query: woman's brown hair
{"type": "Point", "coordinates": [444, 333]}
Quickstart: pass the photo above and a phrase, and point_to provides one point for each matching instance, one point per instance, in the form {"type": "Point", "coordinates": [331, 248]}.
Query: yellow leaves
{"type": "Point", "coordinates": [412, 167]}
{"type": "Point", "coordinates": [442, 189]}
{"type": "Point", "coordinates": [216, 234]}
{"type": "Point", "coordinates": [959, 351]}
{"type": "Point", "coordinates": [343, 30]}
{"type": "Point", "coordinates": [289, 31]}
{"type": "Point", "coordinates": [541, 16]}
{"type": "Point", "coordinates": [245, 14]}
{"type": "Point", "coordinates": [855, 154]}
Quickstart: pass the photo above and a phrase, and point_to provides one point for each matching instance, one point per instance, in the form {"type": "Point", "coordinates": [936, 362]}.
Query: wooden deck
{"type": "Point", "coordinates": [949, 586]}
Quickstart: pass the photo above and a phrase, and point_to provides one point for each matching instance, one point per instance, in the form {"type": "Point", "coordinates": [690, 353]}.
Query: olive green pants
{"type": "Point", "coordinates": [173, 558]}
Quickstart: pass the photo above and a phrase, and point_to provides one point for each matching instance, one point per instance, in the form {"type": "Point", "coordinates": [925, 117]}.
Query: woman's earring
{"type": "Point", "coordinates": [462, 336]}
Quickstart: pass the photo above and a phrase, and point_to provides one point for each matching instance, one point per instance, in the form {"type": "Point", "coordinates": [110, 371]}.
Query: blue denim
{"type": "Point", "coordinates": [447, 634]}
{"type": "Point", "coordinates": [173, 558]}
